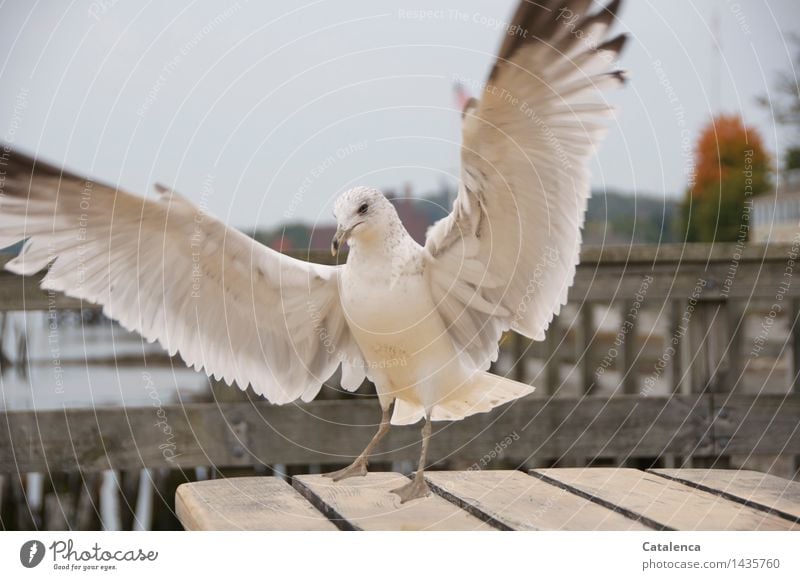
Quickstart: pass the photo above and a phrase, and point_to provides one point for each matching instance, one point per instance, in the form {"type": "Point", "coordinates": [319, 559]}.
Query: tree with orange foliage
{"type": "Point", "coordinates": [732, 165]}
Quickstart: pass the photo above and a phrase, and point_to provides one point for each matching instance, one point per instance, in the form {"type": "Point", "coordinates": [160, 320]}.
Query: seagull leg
{"type": "Point", "coordinates": [418, 487]}
{"type": "Point", "coordinates": [359, 466]}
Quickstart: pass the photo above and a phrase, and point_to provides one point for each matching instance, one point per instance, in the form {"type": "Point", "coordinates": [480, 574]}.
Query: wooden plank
{"type": "Point", "coordinates": [745, 427]}
{"type": "Point", "coordinates": [662, 502]}
{"type": "Point", "coordinates": [759, 490]}
{"type": "Point", "coordinates": [366, 503]}
{"type": "Point", "coordinates": [333, 432]}
{"type": "Point", "coordinates": [246, 503]}
{"type": "Point", "coordinates": [511, 500]}
{"type": "Point", "coordinates": [325, 432]}
{"type": "Point", "coordinates": [610, 273]}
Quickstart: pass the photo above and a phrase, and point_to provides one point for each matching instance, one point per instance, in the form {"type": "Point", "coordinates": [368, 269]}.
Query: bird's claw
{"type": "Point", "coordinates": [356, 469]}
{"type": "Point", "coordinates": [417, 488]}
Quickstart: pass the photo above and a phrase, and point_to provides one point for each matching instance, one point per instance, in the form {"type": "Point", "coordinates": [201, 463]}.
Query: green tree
{"type": "Point", "coordinates": [731, 165]}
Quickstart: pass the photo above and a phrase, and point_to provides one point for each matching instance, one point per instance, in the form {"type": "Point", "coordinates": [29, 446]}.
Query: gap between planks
{"type": "Point", "coordinates": [763, 497]}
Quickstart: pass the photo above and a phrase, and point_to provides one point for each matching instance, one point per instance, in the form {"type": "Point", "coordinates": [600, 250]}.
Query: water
{"type": "Point", "coordinates": [89, 365]}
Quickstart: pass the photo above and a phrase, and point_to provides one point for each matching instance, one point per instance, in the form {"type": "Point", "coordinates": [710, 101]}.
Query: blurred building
{"type": "Point", "coordinates": [776, 215]}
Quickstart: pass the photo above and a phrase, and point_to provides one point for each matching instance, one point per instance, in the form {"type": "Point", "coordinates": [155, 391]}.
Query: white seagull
{"type": "Point", "coordinates": [421, 322]}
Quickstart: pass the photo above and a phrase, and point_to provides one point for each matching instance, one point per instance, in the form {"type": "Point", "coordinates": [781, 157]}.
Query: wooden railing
{"type": "Point", "coordinates": [616, 428]}
{"type": "Point", "coordinates": [708, 415]}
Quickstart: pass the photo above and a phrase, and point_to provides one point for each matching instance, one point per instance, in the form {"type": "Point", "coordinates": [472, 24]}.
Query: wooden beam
{"type": "Point", "coordinates": [330, 432]}
{"type": "Point", "coordinates": [743, 424]}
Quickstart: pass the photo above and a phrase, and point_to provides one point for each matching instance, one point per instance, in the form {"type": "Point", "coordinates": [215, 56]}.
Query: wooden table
{"type": "Point", "coordinates": [545, 499]}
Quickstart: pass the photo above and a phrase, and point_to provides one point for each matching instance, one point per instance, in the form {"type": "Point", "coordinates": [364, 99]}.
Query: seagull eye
{"type": "Point", "coordinates": [362, 209]}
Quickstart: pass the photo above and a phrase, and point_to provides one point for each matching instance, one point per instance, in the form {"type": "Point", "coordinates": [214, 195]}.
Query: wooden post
{"type": "Point", "coordinates": [128, 493]}
{"type": "Point", "coordinates": [794, 329]}
{"type": "Point", "coordinates": [553, 357]}
{"type": "Point", "coordinates": [630, 375]}
{"type": "Point", "coordinates": [795, 384]}
{"type": "Point", "coordinates": [88, 509]}
{"type": "Point", "coordinates": [710, 368]}
{"type": "Point", "coordinates": [586, 348]}
{"type": "Point", "coordinates": [676, 331]}
{"type": "Point", "coordinates": [5, 501]}
{"type": "Point", "coordinates": [59, 504]}
{"type": "Point", "coordinates": [520, 352]}
{"type": "Point", "coordinates": [708, 337]}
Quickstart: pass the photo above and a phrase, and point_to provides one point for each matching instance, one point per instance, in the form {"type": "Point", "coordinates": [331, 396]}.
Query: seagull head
{"type": "Point", "coordinates": [362, 213]}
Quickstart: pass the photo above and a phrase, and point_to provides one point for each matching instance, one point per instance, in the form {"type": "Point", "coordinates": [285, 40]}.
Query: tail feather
{"type": "Point", "coordinates": [485, 392]}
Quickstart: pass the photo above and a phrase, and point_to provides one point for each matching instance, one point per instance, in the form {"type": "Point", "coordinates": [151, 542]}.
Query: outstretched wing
{"type": "Point", "coordinates": [506, 255]}
{"type": "Point", "coordinates": [167, 269]}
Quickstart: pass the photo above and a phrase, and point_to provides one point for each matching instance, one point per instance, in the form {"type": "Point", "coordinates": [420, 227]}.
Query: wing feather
{"type": "Point", "coordinates": [506, 255]}
{"type": "Point", "coordinates": [167, 269]}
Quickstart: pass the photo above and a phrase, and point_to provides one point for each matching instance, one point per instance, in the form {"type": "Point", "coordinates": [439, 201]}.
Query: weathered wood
{"type": "Point", "coordinates": [549, 499]}
{"type": "Point", "coordinates": [327, 432]}
{"type": "Point", "coordinates": [702, 328]}
{"type": "Point", "coordinates": [521, 345]}
{"type": "Point", "coordinates": [511, 500]}
{"type": "Point", "coordinates": [16, 512]}
{"type": "Point", "coordinates": [366, 503]}
{"type": "Point", "coordinates": [759, 490]}
{"type": "Point", "coordinates": [552, 363]}
{"type": "Point", "coordinates": [586, 348]}
{"type": "Point", "coordinates": [7, 519]}
{"type": "Point", "coordinates": [795, 378]}
{"type": "Point", "coordinates": [127, 491]}
{"type": "Point", "coordinates": [25, 517]}
{"type": "Point", "coordinates": [246, 503]}
{"type": "Point", "coordinates": [743, 425]}
{"type": "Point", "coordinates": [675, 346]}
{"type": "Point", "coordinates": [88, 510]}
{"type": "Point", "coordinates": [676, 269]}
{"type": "Point", "coordinates": [59, 502]}
{"type": "Point", "coordinates": [630, 349]}
{"type": "Point", "coordinates": [794, 329]}
{"type": "Point", "coordinates": [165, 487]}
{"type": "Point", "coordinates": [661, 502]}
{"type": "Point", "coordinates": [733, 346]}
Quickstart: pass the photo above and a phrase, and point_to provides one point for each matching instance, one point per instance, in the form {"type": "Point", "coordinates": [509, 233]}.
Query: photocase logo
{"type": "Point", "coordinates": [31, 553]}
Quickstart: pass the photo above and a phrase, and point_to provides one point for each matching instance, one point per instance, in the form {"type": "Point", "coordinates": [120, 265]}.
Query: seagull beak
{"type": "Point", "coordinates": [338, 240]}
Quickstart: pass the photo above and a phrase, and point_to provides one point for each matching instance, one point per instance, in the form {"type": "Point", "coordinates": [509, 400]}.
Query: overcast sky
{"type": "Point", "coordinates": [265, 111]}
